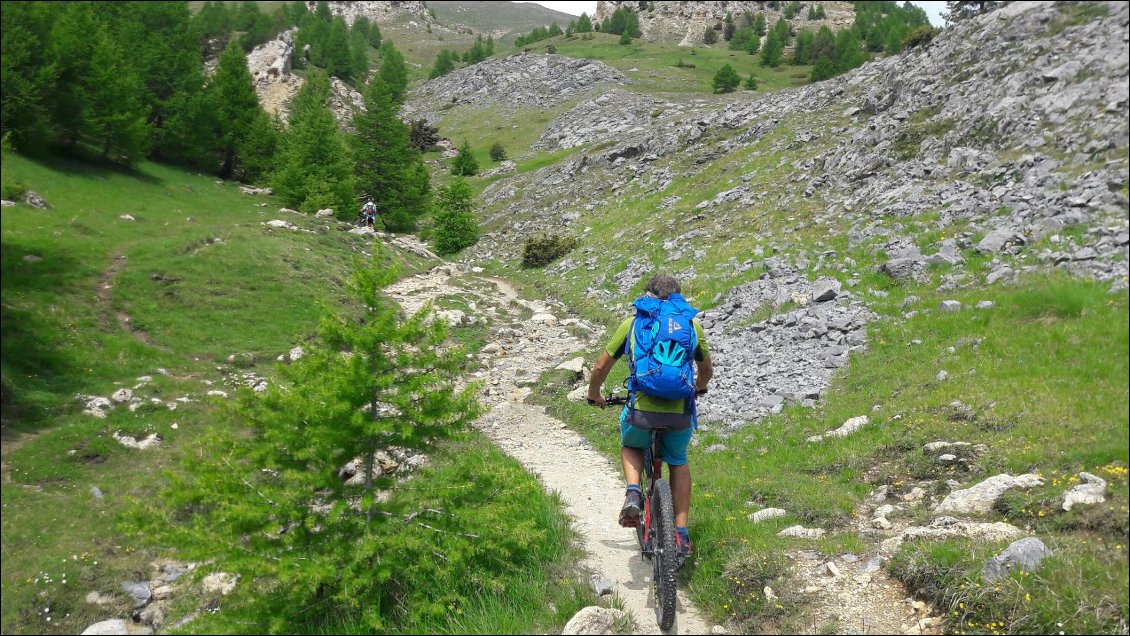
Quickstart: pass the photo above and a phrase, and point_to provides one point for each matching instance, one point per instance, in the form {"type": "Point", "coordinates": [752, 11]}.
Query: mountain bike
{"type": "Point", "coordinates": [656, 534]}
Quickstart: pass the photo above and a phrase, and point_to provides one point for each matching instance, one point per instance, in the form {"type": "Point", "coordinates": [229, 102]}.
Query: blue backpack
{"type": "Point", "coordinates": [661, 345]}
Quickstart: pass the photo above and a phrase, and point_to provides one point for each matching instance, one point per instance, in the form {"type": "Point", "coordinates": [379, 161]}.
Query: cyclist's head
{"type": "Point", "coordinates": [369, 200]}
{"type": "Point", "coordinates": [662, 286]}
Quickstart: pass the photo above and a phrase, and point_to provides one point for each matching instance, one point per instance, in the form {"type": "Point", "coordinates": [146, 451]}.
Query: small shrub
{"type": "Point", "coordinates": [543, 249]}
{"type": "Point", "coordinates": [551, 49]}
{"type": "Point", "coordinates": [919, 37]}
{"type": "Point", "coordinates": [14, 191]}
{"type": "Point", "coordinates": [455, 226]}
{"type": "Point", "coordinates": [682, 64]}
{"type": "Point", "coordinates": [497, 152]}
{"type": "Point", "coordinates": [750, 83]}
{"type": "Point", "coordinates": [464, 164]}
{"type": "Point", "coordinates": [625, 38]}
{"type": "Point", "coordinates": [726, 79]}
{"type": "Point", "coordinates": [710, 36]}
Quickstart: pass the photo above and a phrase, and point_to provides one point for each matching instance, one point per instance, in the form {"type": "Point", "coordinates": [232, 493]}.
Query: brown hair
{"type": "Point", "coordinates": [662, 286]}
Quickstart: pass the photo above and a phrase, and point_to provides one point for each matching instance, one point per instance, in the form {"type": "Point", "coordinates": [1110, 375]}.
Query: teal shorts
{"type": "Point", "coordinates": [672, 444]}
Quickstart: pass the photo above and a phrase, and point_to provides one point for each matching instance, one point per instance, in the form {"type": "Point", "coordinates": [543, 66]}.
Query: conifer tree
{"type": "Point", "coordinates": [759, 24]}
{"type": "Point", "coordinates": [584, 24]}
{"type": "Point", "coordinates": [728, 27]}
{"type": "Point", "coordinates": [371, 379]}
{"type": "Point", "coordinates": [464, 164]}
{"type": "Point", "coordinates": [750, 83]}
{"type": "Point", "coordinates": [236, 106]}
{"type": "Point", "coordinates": [802, 53]}
{"type": "Point", "coordinates": [313, 165]}
{"type": "Point", "coordinates": [393, 72]}
{"type": "Point", "coordinates": [72, 47]}
{"type": "Point", "coordinates": [772, 50]}
{"type": "Point", "coordinates": [27, 76]}
{"type": "Point", "coordinates": [115, 114]}
{"type": "Point", "coordinates": [726, 79]}
{"type": "Point", "coordinates": [339, 56]}
{"type": "Point", "coordinates": [455, 225]}
{"type": "Point", "coordinates": [386, 162]}
{"type": "Point", "coordinates": [444, 64]}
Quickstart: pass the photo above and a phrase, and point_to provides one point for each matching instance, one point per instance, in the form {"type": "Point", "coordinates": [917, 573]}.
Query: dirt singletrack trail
{"type": "Point", "coordinates": [530, 337]}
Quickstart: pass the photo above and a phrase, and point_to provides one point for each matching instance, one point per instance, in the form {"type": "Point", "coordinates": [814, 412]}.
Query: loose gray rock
{"type": "Point", "coordinates": [139, 592]}
{"type": "Point", "coordinates": [1092, 490]}
{"type": "Point", "coordinates": [950, 306]}
{"type": "Point", "coordinates": [802, 532]}
{"type": "Point", "coordinates": [942, 375]}
{"type": "Point", "coordinates": [766, 513]}
{"type": "Point", "coordinates": [593, 620]}
{"type": "Point", "coordinates": [948, 528]}
{"type": "Point", "coordinates": [601, 585]}
{"type": "Point", "coordinates": [1026, 554]}
{"type": "Point", "coordinates": [985, 304]}
{"type": "Point", "coordinates": [979, 499]}
{"type": "Point", "coordinates": [117, 627]}
{"type": "Point", "coordinates": [96, 492]}
{"type": "Point", "coordinates": [825, 289]}
{"type": "Point", "coordinates": [848, 427]}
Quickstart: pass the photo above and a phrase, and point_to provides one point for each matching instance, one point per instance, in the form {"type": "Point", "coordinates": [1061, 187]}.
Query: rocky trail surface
{"type": "Point", "coordinates": [529, 337]}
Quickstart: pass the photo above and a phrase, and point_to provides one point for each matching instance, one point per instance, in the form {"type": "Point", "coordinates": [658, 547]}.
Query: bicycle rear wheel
{"type": "Point", "coordinates": [666, 552]}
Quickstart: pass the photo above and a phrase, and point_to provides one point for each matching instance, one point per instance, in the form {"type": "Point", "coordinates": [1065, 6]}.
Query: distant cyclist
{"type": "Point", "coordinates": [675, 416]}
{"type": "Point", "coordinates": [369, 212]}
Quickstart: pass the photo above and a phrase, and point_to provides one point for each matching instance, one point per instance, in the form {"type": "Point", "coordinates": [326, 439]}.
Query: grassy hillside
{"type": "Point", "coordinates": [92, 302]}
{"type": "Point", "coordinates": [506, 20]}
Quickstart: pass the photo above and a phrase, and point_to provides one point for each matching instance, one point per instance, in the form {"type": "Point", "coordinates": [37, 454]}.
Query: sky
{"type": "Point", "coordinates": [933, 9]}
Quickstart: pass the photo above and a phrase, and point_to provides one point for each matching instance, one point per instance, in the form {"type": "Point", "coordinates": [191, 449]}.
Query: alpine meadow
{"type": "Point", "coordinates": [874, 268]}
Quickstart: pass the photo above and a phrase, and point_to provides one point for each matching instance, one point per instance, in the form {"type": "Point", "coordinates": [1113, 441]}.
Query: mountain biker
{"type": "Point", "coordinates": [369, 212]}
{"type": "Point", "coordinates": [651, 412]}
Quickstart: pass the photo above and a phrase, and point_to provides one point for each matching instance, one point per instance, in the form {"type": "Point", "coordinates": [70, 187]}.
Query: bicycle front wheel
{"type": "Point", "coordinates": [666, 552]}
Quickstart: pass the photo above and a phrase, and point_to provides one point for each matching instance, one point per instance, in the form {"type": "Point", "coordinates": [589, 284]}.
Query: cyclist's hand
{"type": "Point", "coordinates": [597, 401]}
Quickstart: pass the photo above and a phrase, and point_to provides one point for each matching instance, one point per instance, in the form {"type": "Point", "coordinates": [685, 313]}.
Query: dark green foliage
{"type": "Point", "coordinates": [551, 49]}
{"type": "Point", "coordinates": [497, 152]}
{"type": "Point", "coordinates": [728, 27]}
{"type": "Point", "coordinates": [709, 36]}
{"type": "Point", "coordinates": [773, 4]}
{"type": "Point", "coordinates": [773, 49]}
{"type": "Point", "coordinates": [802, 53]}
{"type": "Point", "coordinates": [816, 12]}
{"type": "Point", "coordinates": [339, 57]}
{"type": "Point", "coordinates": [72, 47]}
{"type": "Point", "coordinates": [837, 54]}
{"type": "Point", "coordinates": [235, 109]}
{"type": "Point", "coordinates": [393, 72]}
{"type": "Point", "coordinates": [726, 80]}
{"type": "Point", "coordinates": [455, 226]}
{"type": "Point", "coordinates": [27, 76]}
{"type": "Point", "coordinates": [543, 249]}
{"type": "Point", "coordinates": [444, 64]}
{"type": "Point", "coordinates": [958, 10]}
{"type": "Point", "coordinates": [584, 24]}
{"type": "Point", "coordinates": [622, 21]}
{"type": "Point", "coordinates": [313, 167]}
{"type": "Point", "coordinates": [919, 37]}
{"type": "Point", "coordinates": [254, 25]}
{"type": "Point", "coordinates": [750, 83]}
{"type": "Point", "coordinates": [784, 31]}
{"type": "Point", "coordinates": [553, 30]}
{"type": "Point", "coordinates": [465, 164]}
{"type": "Point", "coordinates": [682, 64]}
{"type": "Point", "coordinates": [745, 40]}
{"type": "Point", "coordinates": [884, 25]}
{"type": "Point", "coordinates": [482, 49]}
{"type": "Point", "coordinates": [247, 492]}
{"type": "Point", "coordinates": [759, 24]}
{"type": "Point", "coordinates": [115, 117]}
{"type": "Point", "coordinates": [792, 9]}
{"type": "Point", "coordinates": [388, 166]}
{"type": "Point", "coordinates": [625, 38]}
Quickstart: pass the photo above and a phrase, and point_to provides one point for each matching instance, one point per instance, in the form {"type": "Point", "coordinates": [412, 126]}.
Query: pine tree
{"type": "Point", "coordinates": [584, 24]}
{"type": "Point", "coordinates": [728, 28]}
{"type": "Point", "coordinates": [783, 31]}
{"type": "Point", "coordinates": [236, 106]}
{"type": "Point", "coordinates": [27, 76]}
{"type": "Point", "coordinates": [115, 114]}
{"type": "Point", "coordinates": [709, 36]}
{"type": "Point", "coordinates": [72, 47]}
{"type": "Point", "coordinates": [313, 165]}
{"type": "Point", "coordinates": [465, 164]}
{"type": "Point", "coordinates": [849, 52]}
{"type": "Point", "coordinates": [802, 54]}
{"type": "Point", "coordinates": [726, 79]}
{"type": "Point", "coordinates": [371, 379]}
{"type": "Point", "coordinates": [359, 50]}
{"type": "Point", "coordinates": [750, 83]}
{"type": "Point", "coordinates": [339, 56]}
{"type": "Point", "coordinates": [497, 152]}
{"type": "Point", "coordinates": [386, 161]}
{"type": "Point", "coordinates": [759, 24]}
{"type": "Point", "coordinates": [455, 225]}
{"type": "Point", "coordinates": [772, 50]}
{"type": "Point", "coordinates": [393, 72]}
{"type": "Point", "coordinates": [444, 64]}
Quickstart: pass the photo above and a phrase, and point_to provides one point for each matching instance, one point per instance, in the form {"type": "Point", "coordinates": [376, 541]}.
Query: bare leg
{"type": "Point", "coordinates": [632, 458]}
{"type": "Point", "coordinates": [681, 492]}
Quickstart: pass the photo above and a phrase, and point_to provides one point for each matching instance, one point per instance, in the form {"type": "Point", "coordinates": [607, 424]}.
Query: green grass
{"type": "Point", "coordinates": [202, 279]}
{"type": "Point", "coordinates": [655, 63]}
{"type": "Point", "coordinates": [1049, 383]}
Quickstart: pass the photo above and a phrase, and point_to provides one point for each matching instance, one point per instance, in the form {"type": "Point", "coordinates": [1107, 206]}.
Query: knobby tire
{"type": "Point", "coordinates": [666, 549]}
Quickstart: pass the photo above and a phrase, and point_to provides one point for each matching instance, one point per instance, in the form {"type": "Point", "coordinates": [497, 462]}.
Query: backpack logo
{"type": "Point", "coordinates": [672, 326]}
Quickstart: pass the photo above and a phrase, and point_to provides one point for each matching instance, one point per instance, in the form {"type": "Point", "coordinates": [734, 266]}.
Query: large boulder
{"type": "Point", "coordinates": [979, 499]}
{"type": "Point", "coordinates": [1027, 554]}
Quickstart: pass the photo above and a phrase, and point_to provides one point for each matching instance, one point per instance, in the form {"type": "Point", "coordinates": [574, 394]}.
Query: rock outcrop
{"type": "Point", "coordinates": [686, 22]}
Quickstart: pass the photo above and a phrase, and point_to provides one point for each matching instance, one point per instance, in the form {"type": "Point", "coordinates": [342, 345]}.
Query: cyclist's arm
{"type": "Point", "coordinates": [705, 372]}
{"type": "Point", "coordinates": [599, 373]}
